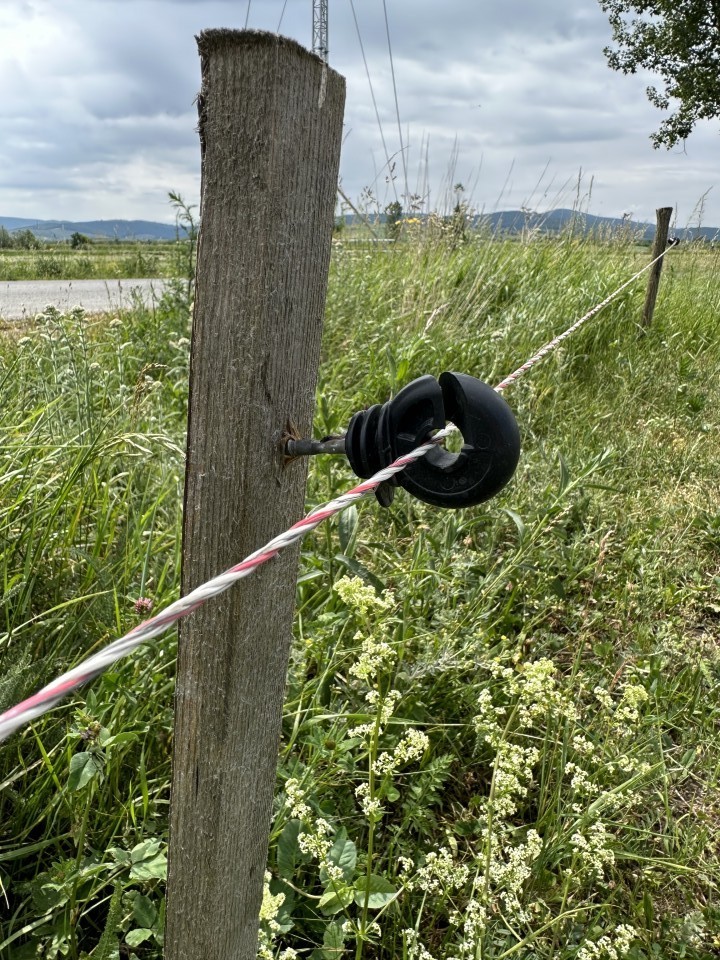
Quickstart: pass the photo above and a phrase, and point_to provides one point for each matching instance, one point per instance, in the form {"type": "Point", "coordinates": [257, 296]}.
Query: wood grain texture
{"type": "Point", "coordinates": [270, 128]}
{"type": "Point", "coordinates": [661, 237]}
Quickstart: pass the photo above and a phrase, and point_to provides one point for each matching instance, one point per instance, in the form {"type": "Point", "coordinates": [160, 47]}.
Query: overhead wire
{"type": "Point", "coordinates": [397, 106]}
{"type": "Point", "coordinates": [374, 101]}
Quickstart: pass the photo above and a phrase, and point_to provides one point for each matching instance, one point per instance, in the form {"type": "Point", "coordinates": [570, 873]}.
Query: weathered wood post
{"type": "Point", "coordinates": [663, 215]}
{"type": "Point", "coordinates": [270, 130]}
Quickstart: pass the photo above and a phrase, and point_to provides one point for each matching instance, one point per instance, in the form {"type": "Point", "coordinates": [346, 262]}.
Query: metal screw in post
{"type": "Point", "coordinates": [297, 447]}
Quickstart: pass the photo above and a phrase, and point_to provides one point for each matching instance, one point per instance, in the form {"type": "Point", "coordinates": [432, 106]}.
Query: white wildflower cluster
{"type": "Point", "coordinates": [415, 949]}
{"type": "Point", "coordinates": [411, 747]}
{"type": "Point", "coordinates": [510, 871]}
{"type": "Point", "coordinates": [535, 686]}
{"type": "Point", "coordinates": [535, 690]}
{"type": "Point", "coordinates": [405, 865]}
{"type": "Point", "coordinates": [612, 947]}
{"type": "Point", "coordinates": [580, 781]}
{"type": "Point", "coordinates": [269, 927]}
{"type": "Point", "coordinates": [604, 699]}
{"type": "Point", "coordinates": [440, 873]}
{"type": "Point", "coordinates": [295, 800]}
{"type": "Point", "coordinates": [375, 656]}
{"type": "Point", "coordinates": [314, 838]}
{"type": "Point", "coordinates": [370, 806]}
{"type": "Point", "coordinates": [471, 922]}
{"type": "Point", "coordinates": [582, 745]}
{"type": "Point", "coordinates": [513, 776]}
{"type": "Point", "coordinates": [315, 842]}
{"type": "Point", "coordinates": [361, 597]}
{"type": "Point", "coordinates": [270, 904]}
{"type": "Point", "coordinates": [487, 719]}
{"type": "Point", "coordinates": [593, 850]}
{"type": "Point", "coordinates": [387, 703]}
{"type": "Point", "coordinates": [630, 765]}
{"type": "Point", "coordinates": [627, 712]}
{"type": "Point", "coordinates": [386, 706]}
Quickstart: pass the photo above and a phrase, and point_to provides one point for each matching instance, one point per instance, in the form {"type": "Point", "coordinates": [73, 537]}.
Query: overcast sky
{"type": "Point", "coordinates": [512, 98]}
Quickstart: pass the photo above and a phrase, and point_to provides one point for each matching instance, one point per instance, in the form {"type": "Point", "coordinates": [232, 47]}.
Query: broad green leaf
{"type": "Point", "coordinates": [333, 940]}
{"type": "Point", "coordinates": [343, 854]}
{"type": "Point", "coordinates": [84, 767]}
{"type": "Point", "coordinates": [288, 849]}
{"type": "Point", "coordinates": [149, 862]}
{"type": "Point", "coordinates": [144, 911]}
{"type": "Point", "coordinates": [381, 891]}
{"type": "Point", "coordinates": [133, 938]}
{"type": "Point", "coordinates": [335, 900]}
{"type": "Point", "coordinates": [145, 849]}
{"type": "Point", "coordinates": [122, 856]}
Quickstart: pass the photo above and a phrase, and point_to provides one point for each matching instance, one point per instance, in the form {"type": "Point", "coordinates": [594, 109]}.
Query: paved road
{"type": "Point", "coordinates": [20, 299]}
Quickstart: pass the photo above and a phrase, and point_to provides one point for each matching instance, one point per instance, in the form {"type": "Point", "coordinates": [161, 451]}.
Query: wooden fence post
{"type": "Point", "coordinates": [663, 215]}
{"type": "Point", "coordinates": [270, 129]}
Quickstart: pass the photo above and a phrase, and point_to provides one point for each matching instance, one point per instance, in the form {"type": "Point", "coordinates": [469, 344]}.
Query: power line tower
{"type": "Point", "coordinates": [320, 28]}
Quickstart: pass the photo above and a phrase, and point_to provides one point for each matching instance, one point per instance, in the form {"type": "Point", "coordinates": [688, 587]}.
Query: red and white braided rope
{"type": "Point", "coordinates": [42, 701]}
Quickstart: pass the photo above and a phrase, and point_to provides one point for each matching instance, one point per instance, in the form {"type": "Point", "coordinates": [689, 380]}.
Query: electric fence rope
{"type": "Point", "coordinates": [50, 695]}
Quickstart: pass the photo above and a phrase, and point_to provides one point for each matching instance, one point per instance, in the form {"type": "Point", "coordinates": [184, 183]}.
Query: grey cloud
{"type": "Point", "coordinates": [102, 94]}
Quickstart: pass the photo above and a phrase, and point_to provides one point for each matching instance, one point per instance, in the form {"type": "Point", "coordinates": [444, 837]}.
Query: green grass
{"type": "Point", "coordinates": [95, 261]}
{"type": "Point", "coordinates": [535, 681]}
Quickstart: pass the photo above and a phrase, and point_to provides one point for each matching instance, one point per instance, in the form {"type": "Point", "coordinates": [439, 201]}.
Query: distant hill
{"type": "Point", "coordinates": [514, 222]}
{"type": "Point", "coordinates": [510, 222]}
{"type": "Point", "coordinates": [94, 229]}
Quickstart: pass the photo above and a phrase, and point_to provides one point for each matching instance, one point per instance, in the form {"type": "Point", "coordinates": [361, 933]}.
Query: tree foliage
{"type": "Point", "coordinates": [679, 40]}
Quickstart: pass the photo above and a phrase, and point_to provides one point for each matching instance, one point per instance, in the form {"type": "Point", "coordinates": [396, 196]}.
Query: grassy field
{"type": "Point", "coordinates": [500, 737]}
{"type": "Point", "coordinates": [101, 261]}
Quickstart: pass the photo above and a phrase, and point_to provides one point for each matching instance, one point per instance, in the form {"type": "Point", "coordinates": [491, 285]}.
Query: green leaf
{"type": "Point", "coordinates": [381, 891]}
{"type": "Point", "coordinates": [145, 849]}
{"type": "Point", "coordinates": [133, 938]}
{"type": "Point", "coordinates": [112, 741]}
{"type": "Point", "coordinates": [347, 530]}
{"type": "Point", "coordinates": [564, 474]}
{"type": "Point", "coordinates": [288, 849]}
{"type": "Point", "coordinates": [335, 900]}
{"type": "Point", "coordinates": [122, 856]}
{"type": "Point", "coordinates": [144, 911]}
{"type": "Point", "coordinates": [84, 767]}
{"type": "Point", "coordinates": [360, 571]}
{"type": "Point", "coordinates": [343, 854]}
{"type": "Point", "coordinates": [517, 520]}
{"type": "Point", "coordinates": [149, 862]}
{"type": "Point", "coordinates": [333, 940]}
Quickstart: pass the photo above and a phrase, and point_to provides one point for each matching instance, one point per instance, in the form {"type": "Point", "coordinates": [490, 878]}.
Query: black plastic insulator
{"type": "Point", "coordinates": [486, 462]}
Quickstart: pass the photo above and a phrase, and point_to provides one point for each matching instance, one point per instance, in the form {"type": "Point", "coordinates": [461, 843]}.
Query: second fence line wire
{"type": "Point", "coordinates": [42, 701]}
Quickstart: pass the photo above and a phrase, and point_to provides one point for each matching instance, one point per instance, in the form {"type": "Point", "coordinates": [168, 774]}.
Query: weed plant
{"type": "Point", "coordinates": [500, 732]}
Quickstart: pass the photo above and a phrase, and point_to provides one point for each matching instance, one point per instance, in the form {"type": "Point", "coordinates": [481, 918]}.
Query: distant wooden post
{"type": "Point", "coordinates": [270, 130]}
{"type": "Point", "coordinates": [661, 237]}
